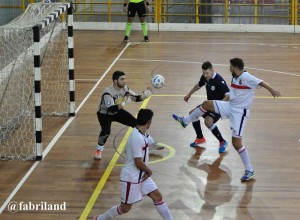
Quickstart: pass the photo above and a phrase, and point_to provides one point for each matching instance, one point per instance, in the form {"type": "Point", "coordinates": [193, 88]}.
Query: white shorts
{"type": "Point", "coordinates": [134, 192]}
{"type": "Point", "coordinates": [237, 116]}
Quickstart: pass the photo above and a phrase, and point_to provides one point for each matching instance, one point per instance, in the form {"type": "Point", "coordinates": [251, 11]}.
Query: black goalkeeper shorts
{"type": "Point", "coordinates": [134, 8]}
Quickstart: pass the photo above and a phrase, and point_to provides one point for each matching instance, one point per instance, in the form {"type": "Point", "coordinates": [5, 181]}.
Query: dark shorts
{"type": "Point", "coordinates": [213, 115]}
{"type": "Point", "coordinates": [134, 8]}
{"type": "Point", "coordinates": [122, 117]}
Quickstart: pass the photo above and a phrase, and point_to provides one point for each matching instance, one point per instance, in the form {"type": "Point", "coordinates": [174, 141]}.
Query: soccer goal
{"type": "Point", "coordinates": [36, 77]}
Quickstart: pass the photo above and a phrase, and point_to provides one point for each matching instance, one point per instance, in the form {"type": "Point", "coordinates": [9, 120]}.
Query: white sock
{"type": "Point", "coordinates": [111, 213]}
{"type": "Point", "coordinates": [163, 210]}
{"type": "Point", "coordinates": [100, 147]}
{"type": "Point", "coordinates": [197, 113]}
{"type": "Point", "coordinates": [245, 158]}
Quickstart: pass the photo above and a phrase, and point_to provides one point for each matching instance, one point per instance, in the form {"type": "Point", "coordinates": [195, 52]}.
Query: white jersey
{"type": "Point", "coordinates": [242, 90]}
{"type": "Point", "coordinates": [137, 146]}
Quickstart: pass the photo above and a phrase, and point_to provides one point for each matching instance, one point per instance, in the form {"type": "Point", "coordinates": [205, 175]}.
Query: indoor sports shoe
{"type": "Point", "coordinates": [223, 146]}
{"type": "Point", "coordinates": [98, 155]}
{"type": "Point", "coordinates": [248, 175]}
{"type": "Point", "coordinates": [179, 120]}
{"type": "Point", "coordinates": [197, 142]}
{"type": "Point", "coordinates": [156, 146]}
{"type": "Point", "coordinates": [126, 39]}
{"type": "Point", "coordinates": [146, 38]}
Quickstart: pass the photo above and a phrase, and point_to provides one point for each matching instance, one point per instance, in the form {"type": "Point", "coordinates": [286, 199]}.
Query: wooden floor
{"type": "Point", "coordinates": [207, 187]}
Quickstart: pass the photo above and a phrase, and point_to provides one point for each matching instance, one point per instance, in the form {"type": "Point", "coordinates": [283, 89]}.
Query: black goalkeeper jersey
{"type": "Point", "coordinates": [216, 87]}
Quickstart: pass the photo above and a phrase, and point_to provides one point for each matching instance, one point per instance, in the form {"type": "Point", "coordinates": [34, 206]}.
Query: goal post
{"type": "Point", "coordinates": [36, 77]}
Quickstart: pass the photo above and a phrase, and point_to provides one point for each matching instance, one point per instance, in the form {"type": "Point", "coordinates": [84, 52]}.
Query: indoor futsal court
{"type": "Point", "coordinates": [200, 185]}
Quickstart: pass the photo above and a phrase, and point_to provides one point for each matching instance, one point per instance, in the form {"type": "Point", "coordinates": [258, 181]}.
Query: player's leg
{"type": "Point", "coordinates": [105, 123]}
{"type": "Point", "coordinates": [242, 151]}
{"type": "Point", "coordinates": [113, 212]}
{"type": "Point", "coordinates": [125, 118]}
{"type": "Point", "coordinates": [130, 193]}
{"type": "Point", "coordinates": [238, 121]}
{"type": "Point", "coordinates": [200, 139]}
{"type": "Point", "coordinates": [141, 10]}
{"type": "Point", "coordinates": [210, 122]}
{"type": "Point", "coordinates": [131, 11]}
{"type": "Point", "coordinates": [199, 135]}
{"type": "Point", "coordinates": [207, 105]}
{"type": "Point", "coordinates": [149, 188]}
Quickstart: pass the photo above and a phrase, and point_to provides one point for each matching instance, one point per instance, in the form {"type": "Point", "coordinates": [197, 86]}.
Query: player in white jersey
{"type": "Point", "coordinates": [236, 109]}
{"type": "Point", "coordinates": [135, 176]}
{"type": "Point", "coordinates": [111, 108]}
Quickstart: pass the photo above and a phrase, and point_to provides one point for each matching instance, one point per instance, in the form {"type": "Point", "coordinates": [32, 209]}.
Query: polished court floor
{"type": "Point", "coordinates": [205, 186]}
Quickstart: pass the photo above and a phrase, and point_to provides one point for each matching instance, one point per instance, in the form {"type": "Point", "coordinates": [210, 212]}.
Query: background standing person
{"type": "Point", "coordinates": [237, 109]}
{"type": "Point", "coordinates": [140, 7]}
{"type": "Point", "coordinates": [216, 89]}
{"type": "Point", "coordinates": [111, 108]}
{"type": "Point", "coordinates": [135, 176]}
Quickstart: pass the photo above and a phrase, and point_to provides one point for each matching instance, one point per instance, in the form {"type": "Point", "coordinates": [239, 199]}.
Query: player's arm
{"type": "Point", "coordinates": [143, 167]}
{"type": "Point", "coordinates": [193, 90]}
{"type": "Point", "coordinates": [274, 92]}
{"type": "Point", "coordinates": [138, 98]}
{"type": "Point", "coordinates": [226, 97]}
{"type": "Point", "coordinates": [223, 88]}
{"type": "Point", "coordinates": [111, 105]}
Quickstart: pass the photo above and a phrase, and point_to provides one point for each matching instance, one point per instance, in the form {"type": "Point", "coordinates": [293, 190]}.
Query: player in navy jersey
{"type": "Point", "coordinates": [216, 89]}
{"type": "Point", "coordinates": [237, 109]}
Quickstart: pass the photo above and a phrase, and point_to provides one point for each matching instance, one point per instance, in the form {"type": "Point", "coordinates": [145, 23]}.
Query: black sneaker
{"type": "Point", "coordinates": [146, 38]}
{"type": "Point", "coordinates": [126, 39]}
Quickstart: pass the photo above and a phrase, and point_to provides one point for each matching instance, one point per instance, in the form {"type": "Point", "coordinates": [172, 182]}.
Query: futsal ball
{"type": "Point", "coordinates": [158, 81]}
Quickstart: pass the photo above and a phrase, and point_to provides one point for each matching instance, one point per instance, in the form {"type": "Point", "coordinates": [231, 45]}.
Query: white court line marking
{"type": "Point", "coordinates": [58, 135]}
{"type": "Point", "coordinates": [215, 64]}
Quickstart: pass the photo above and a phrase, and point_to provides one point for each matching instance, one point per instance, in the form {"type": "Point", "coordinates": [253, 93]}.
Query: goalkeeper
{"type": "Point", "coordinates": [111, 108]}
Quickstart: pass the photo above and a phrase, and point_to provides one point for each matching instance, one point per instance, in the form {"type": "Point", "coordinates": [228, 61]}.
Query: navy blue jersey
{"type": "Point", "coordinates": [216, 87]}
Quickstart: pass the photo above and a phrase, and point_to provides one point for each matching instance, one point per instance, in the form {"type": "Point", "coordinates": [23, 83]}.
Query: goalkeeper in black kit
{"type": "Point", "coordinates": [111, 108]}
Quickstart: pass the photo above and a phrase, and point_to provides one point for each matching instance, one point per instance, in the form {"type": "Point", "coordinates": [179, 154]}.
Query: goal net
{"type": "Point", "coordinates": [36, 77]}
